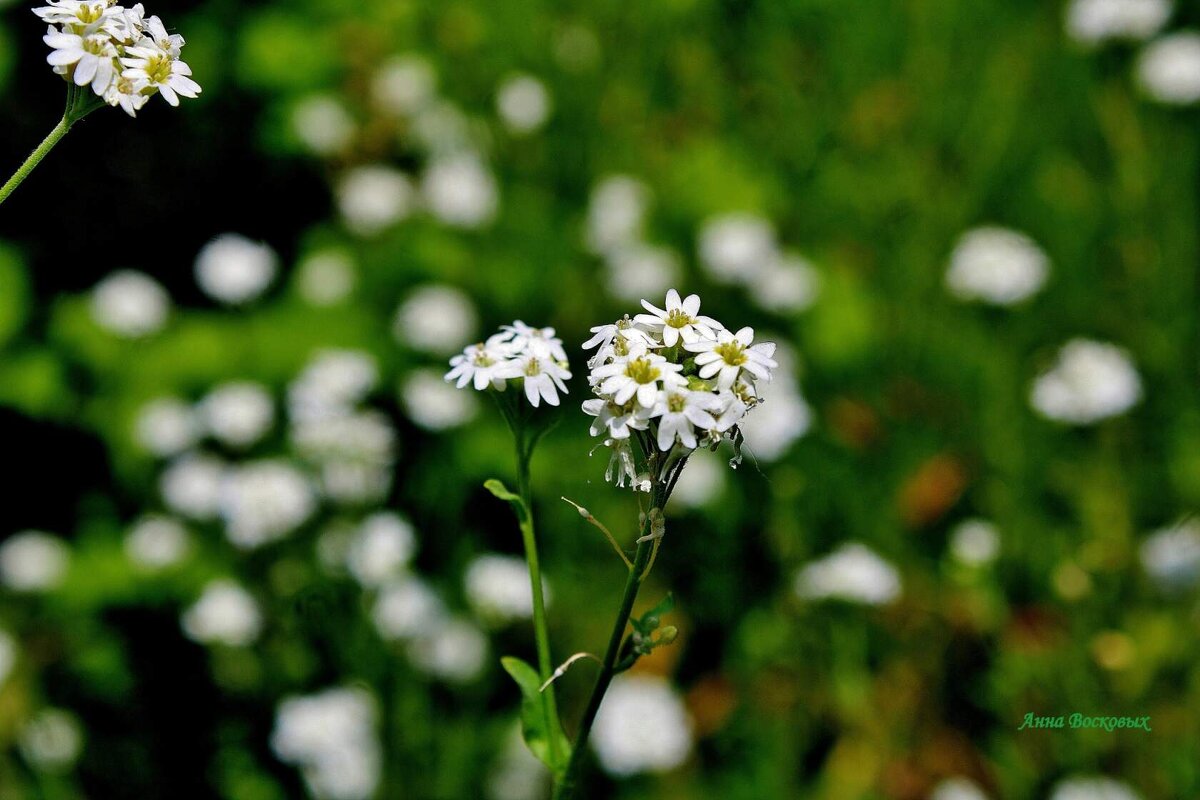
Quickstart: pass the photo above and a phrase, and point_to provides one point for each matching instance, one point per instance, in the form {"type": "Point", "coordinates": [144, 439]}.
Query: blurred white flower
{"type": "Point", "coordinates": [8, 656]}
{"type": "Point", "coordinates": [373, 198]}
{"type": "Point", "coordinates": [642, 726]}
{"type": "Point", "coordinates": [441, 128]}
{"type": "Point", "coordinates": [406, 609]}
{"type": "Point", "coordinates": [779, 420]}
{"type": "Point", "coordinates": [323, 125]}
{"type": "Point", "coordinates": [234, 270]}
{"type": "Point", "coordinates": [433, 404]}
{"type": "Point", "coordinates": [519, 352]}
{"type": "Point", "coordinates": [852, 572]}
{"type": "Point", "coordinates": [516, 773]}
{"type": "Point", "coordinates": [1171, 556]}
{"type": "Point", "coordinates": [353, 453]}
{"type": "Point", "coordinates": [224, 614]}
{"type": "Point", "coordinates": [1092, 788]}
{"type": "Point", "coordinates": [380, 549]}
{"type": "Point", "coordinates": [331, 385]}
{"type": "Point", "coordinates": [263, 501]}
{"type": "Point", "coordinates": [404, 85]}
{"type": "Point", "coordinates": [33, 561]}
{"type": "Point", "coordinates": [1091, 22]}
{"type": "Point", "coordinates": [52, 740]}
{"type": "Point", "coordinates": [975, 542]}
{"type": "Point", "coordinates": [155, 542]}
{"type": "Point", "coordinates": [1169, 68]}
{"type": "Point", "coordinates": [786, 284]}
{"type": "Point", "coordinates": [130, 304]}
{"type": "Point", "coordinates": [1089, 381]}
{"type": "Point", "coordinates": [238, 413]}
{"type": "Point", "coordinates": [616, 213]}
{"type": "Point", "coordinates": [702, 482]}
{"type": "Point", "coordinates": [166, 426]}
{"type": "Point", "coordinates": [523, 103]}
{"type": "Point", "coordinates": [191, 486]}
{"type": "Point", "coordinates": [454, 650]}
{"type": "Point", "coordinates": [641, 270]}
{"type": "Point", "coordinates": [331, 736]}
{"type": "Point", "coordinates": [957, 789]}
{"type": "Point", "coordinates": [997, 266]}
{"type": "Point", "coordinates": [498, 588]}
{"type": "Point", "coordinates": [737, 247]}
{"type": "Point", "coordinates": [436, 319]}
{"type": "Point", "coordinates": [460, 191]}
{"type": "Point", "coordinates": [326, 277]}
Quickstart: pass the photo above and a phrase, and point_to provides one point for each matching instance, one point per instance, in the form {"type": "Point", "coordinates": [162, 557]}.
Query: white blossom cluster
{"type": "Point", "coordinates": [742, 248]}
{"type": "Point", "coordinates": [497, 587]}
{"type": "Point", "coordinates": [332, 737]}
{"type": "Point", "coordinates": [642, 726]}
{"type": "Point", "coordinates": [997, 266]}
{"type": "Point", "coordinates": [533, 356]}
{"type": "Point", "coordinates": [1089, 381]}
{"type": "Point", "coordinates": [33, 561]}
{"type": "Point", "coordinates": [854, 573]}
{"type": "Point", "coordinates": [671, 377]}
{"type": "Point", "coordinates": [224, 614]}
{"type": "Point", "coordinates": [616, 217]}
{"type": "Point", "coordinates": [123, 55]}
{"type": "Point", "coordinates": [1092, 22]}
{"type": "Point", "coordinates": [438, 642]}
{"type": "Point", "coordinates": [1171, 556]}
{"type": "Point", "coordinates": [1168, 69]}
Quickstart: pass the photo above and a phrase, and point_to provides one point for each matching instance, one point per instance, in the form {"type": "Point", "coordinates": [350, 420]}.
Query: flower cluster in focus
{"type": "Point", "coordinates": [535, 356]}
{"type": "Point", "coordinates": [677, 378]}
{"type": "Point", "coordinates": [123, 55]}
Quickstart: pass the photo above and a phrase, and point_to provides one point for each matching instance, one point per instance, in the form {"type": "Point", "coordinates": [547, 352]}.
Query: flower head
{"type": "Point", "coordinates": [533, 356]}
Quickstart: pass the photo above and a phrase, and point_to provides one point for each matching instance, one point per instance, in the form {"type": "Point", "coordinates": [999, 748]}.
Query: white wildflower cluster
{"type": "Point", "coordinates": [225, 614]}
{"type": "Point", "coordinates": [1090, 381]}
{"type": "Point", "coordinates": [236, 414]}
{"type": "Point", "coordinates": [235, 270]}
{"type": "Point", "coordinates": [533, 356]}
{"type": "Point", "coordinates": [156, 542]}
{"type": "Point", "coordinates": [124, 56]}
{"type": "Point", "coordinates": [332, 737]}
{"type": "Point", "coordinates": [782, 415]}
{"type": "Point", "coordinates": [853, 573]}
{"type": "Point", "coordinates": [434, 405]}
{"type": "Point", "coordinates": [1092, 22]}
{"type": "Point", "coordinates": [130, 304]}
{"type": "Point", "coordinates": [523, 103]}
{"type": "Point", "coordinates": [380, 549]}
{"type": "Point", "coordinates": [497, 587]}
{"type": "Point", "coordinates": [742, 248]}
{"type": "Point", "coordinates": [1168, 69]}
{"type": "Point", "coordinates": [1091, 787]}
{"type": "Point", "coordinates": [435, 319]}
{"type": "Point", "coordinates": [51, 740]}
{"type": "Point", "coordinates": [997, 266]}
{"type": "Point", "coordinates": [616, 217]}
{"type": "Point", "coordinates": [326, 277]}
{"type": "Point", "coordinates": [264, 501]}
{"type": "Point", "coordinates": [673, 380]}
{"type": "Point", "coordinates": [1171, 556]}
{"type": "Point", "coordinates": [642, 726]}
{"type": "Point", "coordinates": [975, 542]}
{"type": "Point", "coordinates": [438, 642]}
{"type": "Point", "coordinates": [33, 561]}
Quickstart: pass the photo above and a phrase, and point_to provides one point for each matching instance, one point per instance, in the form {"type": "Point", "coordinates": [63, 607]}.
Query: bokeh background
{"type": "Point", "coordinates": [246, 550]}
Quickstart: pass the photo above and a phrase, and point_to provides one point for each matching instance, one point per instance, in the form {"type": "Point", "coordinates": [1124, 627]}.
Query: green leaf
{"type": "Point", "coordinates": [534, 722]}
{"type": "Point", "coordinates": [501, 491]}
{"type": "Point", "coordinates": [649, 622]}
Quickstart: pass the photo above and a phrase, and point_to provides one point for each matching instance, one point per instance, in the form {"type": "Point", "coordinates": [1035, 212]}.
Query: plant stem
{"type": "Point", "coordinates": [633, 583]}
{"type": "Point", "coordinates": [540, 629]}
{"type": "Point", "coordinates": [60, 130]}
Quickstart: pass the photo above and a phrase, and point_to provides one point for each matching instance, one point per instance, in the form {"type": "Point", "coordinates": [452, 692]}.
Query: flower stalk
{"type": "Point", "coordinates": [79, 105]}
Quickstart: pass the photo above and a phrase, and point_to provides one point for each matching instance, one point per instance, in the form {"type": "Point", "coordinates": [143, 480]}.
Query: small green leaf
{"type": "Point", "coordinates": [649, 622]}
{"type": "Point", "coordinates": [501, 491]}
{"type": "Point", "coordinates": [534, 722]}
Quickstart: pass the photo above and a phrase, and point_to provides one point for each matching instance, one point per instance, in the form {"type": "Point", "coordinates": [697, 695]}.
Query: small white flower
{"type": "Point", "coordinates": [975, 542]}
{"type": "Point", "coordinates": [482, 365]}
{"type": "Point", "coordinates": [191, 486]}
{"type": "Point", "coordinates": [224, 614]}
{"type": "Point", "coordinates": [616, 420]}
{"type": "Point", "coordinates": [326, 278]}
{"type": "Point", "coordinates": [92, 54]}
{"type": "Point", "coordinates": [166, 427]}
{"type": "Point", "coordinates": [636, 270]}
{"type": "Point", "coordinates": [701, 483]}
{"type": "Point", "coordinates": [642, 726]}
{"type": "Point", "coordinates": [621, 469]}
{"type": "Point", "coordinates": [640, 375]}
{"type": "Point", "coordinates": [454, 651]}
{"type": "Point", "coordinates": [730, 353]}
{"type": "Point", "coordinates": [407, 609]}
{"type": "Point", "coordinates": [1171, 556]}
{"type": "Point", "coordinates": [523, 103]}
{"type": "Point", "coordinates": [264, 501]}
{"type": "Point", "coordinates": [680, 320]}
{"type": "Point", "coordinates": [677, 410]}
{"type": "Point", "coordinates": [156, 542]}
{"type": "Point", "coordinates": [238, 413]}
{"type": "Point", "coordinates": [616, 213]}
{"type": "Point", "coordinates": [498, 588]}
{"type": "Point", "coordinates": [1090, 787]}
{"type": "Point", "coordinates": [381, 548]}
{"type": "Point", "coordinates": [541, 377]}
{"type": "Point", "coordinates": [130, 304]}
{"type": "Point", "coordinates": [52, 740]}
{"type": "Point", "coordinates": [737, 247]}
{"type": "Point", "coordinates": [331, 736]}
{"type": "Point", "coordinates": [459, 191]}
{"type": "Point", "coordinates": [780, 418]}
{"type": "Point", "coordinates": [435, 319]}
{"type": "Point", "coordinates": [1091, 22]}
{"type": "Point", "coordinates": [1169, 69]}
{"type": "Point", "coordinates": [373, 198]}
{"type": "Point", "coordinates": [433, 404]}
{"type": "Point", "coordinates": [234, 270]}
{"type": "Point", "coordinates": [352, 451]}
{"type": "Point", "coordinates": [787, 284]}
{"type": "Point", "coordinates": [323, 125]}
{"type": "Point", "coordinates": [540, 342]}
{"type": "Point", "coordinates": [404, 85]}
{"type": "Point", "coordinates": [997, 266]}
{"type": "Point", "coordinates": [1090, 381]}
{"type": "Point", "coordinates": [852, 572]}
{"type": "Point", "coordinates": [331, 385]}
{"type": "Point", "coordinates": [33, 561]}
{"type": "Point", "coordinates": [153, 66]}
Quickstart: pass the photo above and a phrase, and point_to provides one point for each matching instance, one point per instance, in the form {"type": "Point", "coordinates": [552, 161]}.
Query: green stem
{"type": "Point", "coordinates": [60, 130]}
{"type": "Point", "coordinates": [608, 669]}
{"type": "Point", "coordinates": [541, 631]}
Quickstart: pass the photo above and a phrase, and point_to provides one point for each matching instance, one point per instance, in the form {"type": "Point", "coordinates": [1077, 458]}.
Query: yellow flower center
{"type": "Point", "coordinates": [678, 318]}
{"type": "Point", "coordinates": [732, 353]}
{"type": "Point", "coordinates": [676, 403]}
{"type": "Point", "coordinates": [533, 368]}
{"type": "Point", "coordinates": [158, 68]}
{"type": "Point", "coordinates": [642, 371]}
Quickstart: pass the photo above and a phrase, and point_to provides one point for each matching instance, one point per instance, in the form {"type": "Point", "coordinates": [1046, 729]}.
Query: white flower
{"type": "Point", "coordinates": [498, 587]}
{"type": "Point", "coordinates": [130, 304]}
{"type": "Point", "coordinates": [786, 284]}
{"type": "Point", "coordinates": [82, 15]}
{"type": "Point", "coordinates": [156, 542]}
{"type": "Point", "coordinates": [541, 376]}
{"type": "Point", "coordinates": [153, 64]}
{"type": "Point", "coordinates": [526, 339]}
{"type": "Point", "coordinates": [1169, 69]}
{"type": "Point", "coordinates": [459, 191]}
{"type": "Point", "coordinates": [326, 278]}
{"type": "Point", "coordinates": [1091, 22]}
{"type": "Point", "coordinates": [442, 128]}
{"type": "Point", "coordinates": [191, 486]}
{"type": "Point", "coordinates": [92, 54]}
{"type": "Point", "coordinates": [234, 270]}
{"type": "Point", "coordinates": [373, 198]}
{"type": "Point", "coordinates": [957, 789]}
{"type": "Point", "coordinates": [224, 614]}
{"type": "Point", "coordinates": [678, 410]}
{"type": "Point", "coordinates": [680, 320]}
{"type": "Point", "coordinates": [616, 213]}
{"type": "Point", "coordinates": [332, 384]}
{"type": "Point", "coordinates": [523, 103]}
{"type": "Point", "coordinates": [637, 270]}
{"type": "Point", "coordinates": [404, 85]}
{"type": "Point", "coordinates": [323, 125]}
{"type": "Point", "coordinates": [975, 542]}
{"type": "Point", "coordinates": [737, 247]}
{"type": "Point", "coordinates": [640, 375]}
{"type": "Point", "coordinates": [1090, 381]}
{"type": "Point", "coordinates": [332, 737]}
{"type": "Point", "coordinates": [701, 483]}
{"type": "Point", "coordinates": [8, 656]}
{"type": "Point", "coordinates": [642, 726]}
{"type": "Point", "coordinates": [52, 740]}
{"type": "Point", "coordinates": [731, 353]}
{"type": "Point", "coordinates": [434, 405]}
{"type": "Point", "coordinates": [238, 413]}
{"type": "Point", "coordinates": [621, 468]}
{"type": "Point", "coordinates": [616, 420]}
{"type": "Point", "coordinates": [535, 356]}
{"type": "Point", "coordinates": [263, 501]}
{"type": "Point", "coordinates": [1092, 788]}
{"type": "Point", "coordinates": [33, 561]}
{"type": "Point", "coordinates": [852, 572]}
{"type": "Point", "coordinates": [481, 365]}
{"type": "Point", "coordinates": [435, 319]}
{"type": "Point", "coordinates": [407, 609]}
{"type": "Point", "coordinates": [997, 266]}
{"type": "Point", "coordinates": [352, 451]}
{"type": "Point", "coordinates": [166, 427]}
{"type": "Point", "coordinates": [453, 651]}
{"type": "Point", "coordinates": [1171, 556]}
{"type": "Point", "coordinates": [381, 548]}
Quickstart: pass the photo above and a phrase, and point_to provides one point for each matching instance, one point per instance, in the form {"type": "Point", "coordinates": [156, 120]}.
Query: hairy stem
{"type": "Point", "coordinates": [35, 158]}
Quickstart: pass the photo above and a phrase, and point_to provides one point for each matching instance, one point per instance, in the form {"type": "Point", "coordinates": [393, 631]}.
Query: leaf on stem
{"type": "Point", "coordinates": [534, 720]}
{"type": "Point", "coordinates": [497, 488]}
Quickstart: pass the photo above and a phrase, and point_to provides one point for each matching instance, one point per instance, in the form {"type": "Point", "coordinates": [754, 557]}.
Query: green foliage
{"type": "Point", "coordinates": [535, 729]}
